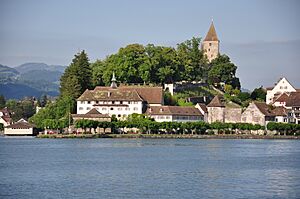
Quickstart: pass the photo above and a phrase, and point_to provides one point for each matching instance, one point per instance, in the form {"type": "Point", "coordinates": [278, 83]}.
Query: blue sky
{"type": "Point", "coordinates": [261, 37]}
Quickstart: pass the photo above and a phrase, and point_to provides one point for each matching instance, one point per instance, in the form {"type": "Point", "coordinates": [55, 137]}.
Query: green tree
{"type": "Point", "coordinates": [125, 64]}
{"type": "Point", "coordinates": [223, 70]}
{"type": "Point", "coordinates": [2, 101]}
{"type": "Point", "coordinates": [98, 68]}
{"type": "Point", "coordinates": [28, 108]}
{"type": "Point", "coordinates": [192, 59]}
{"type": "Point", "coordinates": [56, 111]}
{"type": "Point", "coordinates": [15, 108]}
{"type": "Point", "coordinates": [43, 100]}
{"type": "Point", "coordinates": [77, 77]}
{"type": "Point", "coordinates": [259, 94]}
{"type": "Point", "coordinates": [243, 96]}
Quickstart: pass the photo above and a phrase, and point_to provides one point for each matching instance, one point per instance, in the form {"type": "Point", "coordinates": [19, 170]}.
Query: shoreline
{"type": "Point", "coordinates": [164, 136]}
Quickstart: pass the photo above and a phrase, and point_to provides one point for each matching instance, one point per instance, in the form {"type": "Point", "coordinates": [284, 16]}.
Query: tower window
{"type": "Point", "coordinates": [209, 44]}
{"type": "Point", "coordinates": [209, 49]}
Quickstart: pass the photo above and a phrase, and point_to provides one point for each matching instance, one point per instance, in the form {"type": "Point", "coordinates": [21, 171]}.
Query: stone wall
{"type": "Point", "coordinates": [211, 49]}
{"type": "Point", "coordinates": [253, 115]}
{"type": "Point", "coordinates": [215, 114]}
{"type": "Point", "coordinates": [233, 115]}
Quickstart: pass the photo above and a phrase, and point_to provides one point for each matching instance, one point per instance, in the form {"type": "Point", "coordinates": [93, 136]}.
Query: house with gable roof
{"type": "Point", "coordinates": [203, 109]}
{"type": "Point", "coordinates": [5, 117]}
{"type": "Point", "coordinates": [221, 111]}
{"type": "Point", "coordinates": [175, 113]}
{"type": "Point", "coordinates": [282, 86]}
{"type": "Point", "coordinates": [293, 107]}
{"type": "Point", "coordinates": [120, 101]}
{"type": "Point", "coordinates": [21, 127]}
{"type": "Point", "coordinates": [92, 115]}
{"type": "Point", "coordinates": [258, 113]}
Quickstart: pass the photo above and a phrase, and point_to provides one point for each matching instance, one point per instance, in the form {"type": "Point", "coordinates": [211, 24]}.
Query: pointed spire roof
{"type": "Point", "coordinates": [211, 34]}
{"type": "Point", "coordinates": [113, 81]}
{"type": "Point", "coordinates": [216, 102]}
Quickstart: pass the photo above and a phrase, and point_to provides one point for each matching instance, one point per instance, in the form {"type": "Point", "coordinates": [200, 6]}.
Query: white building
{"type": "Point", "coordinates": [22, 127]}
{"type": "Point", "coordinates": [203, 109]}
{"type": "Point", "coordinates": [174, 114]}
{"type": "Point", "coordinates": [5, 117]}
{"type": "Point", "coordinates": [282, 86]}
{"type": "Point", "coordinates": [293, 107]}
{"type": "Point", "coordinates": [119, 101]}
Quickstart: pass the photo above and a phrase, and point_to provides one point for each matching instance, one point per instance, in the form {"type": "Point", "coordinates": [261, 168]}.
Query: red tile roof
{"type": "Point", "coordinates": [279, 111]}
{"type": "Point", "coordinates": [173, 110]}
{"type": "Point", "coordinates": [152, 95]}
{"type": "Point", "coordinates": [264, 108]}
{"type": "Point", "coordinates": [109, 94]}
{"type": "Point", "coordinates": [203, 107]}
{"type": "Point", "coordinates": [216, 102]}
{"type": "Point", "coordinates": [21, 125]}
{"type": "Point", "coordinates": [282, 98]}
{"type": "Point", "coordinates": [93, 113]}
{"type": "Point", "coordinates": [293, 100]}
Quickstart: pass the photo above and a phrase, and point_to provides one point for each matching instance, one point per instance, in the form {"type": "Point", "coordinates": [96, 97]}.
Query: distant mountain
{"type": "Point", "coordinates": [7, 73]}
{"type": "Point", "coordinates": [19, 91]}
{"type": "Point", "coordinates": [41, 75]}
{"type": "Point", "coordinates": [39, 66]}
{"type": "Point", "coordinates": [30, 79]}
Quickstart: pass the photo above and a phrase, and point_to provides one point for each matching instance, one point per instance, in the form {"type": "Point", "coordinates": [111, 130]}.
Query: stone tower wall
{"type": "Point", "coordinates": [211, 49]}
{"type": "Point", "coordinates": [233, 115]}
{"type": "Point", "coordinates": [215, 114]}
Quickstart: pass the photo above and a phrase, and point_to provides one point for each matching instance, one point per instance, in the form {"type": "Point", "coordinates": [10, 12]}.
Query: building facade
{"type": "Point", "coordinates": [120, 101]}
{"type": "Point", "coordinates": [216, 110]}
{"type": "Point", "coordinates": [174, 114]}
{"type": "Point", "coordinates": [22, 127]}
{"type": "Point", "coordinates": [258, 113]}
{"type": "Point", "coordinates": [5, 117]}
{"type": "Point", "coordinates": [282, 86]}
{"type": "Point", "coordinates": [92, 115]}
{"type": "Point", "coordinates": [293, 108]}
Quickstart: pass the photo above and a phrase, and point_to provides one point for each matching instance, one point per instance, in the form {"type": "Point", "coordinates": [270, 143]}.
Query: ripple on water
{"type": "Point", "coordinates": [154, 168]}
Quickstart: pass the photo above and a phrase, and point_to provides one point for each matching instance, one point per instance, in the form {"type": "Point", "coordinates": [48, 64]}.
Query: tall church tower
{"type": "Point", "coordinates": [210, 44]}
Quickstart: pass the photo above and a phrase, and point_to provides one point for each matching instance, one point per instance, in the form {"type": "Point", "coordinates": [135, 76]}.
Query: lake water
{"type": "Point", "coordinates": [149, 168]}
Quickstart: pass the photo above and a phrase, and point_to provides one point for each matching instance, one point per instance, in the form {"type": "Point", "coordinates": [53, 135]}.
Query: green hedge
{"type": "Point", "coordinates": [149, 126]}
{"type": "Point", "coordinates": [284, 127]}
